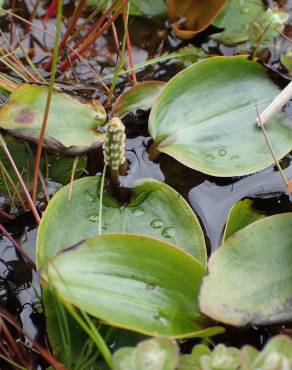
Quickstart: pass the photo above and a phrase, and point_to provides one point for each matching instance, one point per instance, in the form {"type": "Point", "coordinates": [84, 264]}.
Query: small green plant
{"type": "Point", "coordinates": [163, 354]}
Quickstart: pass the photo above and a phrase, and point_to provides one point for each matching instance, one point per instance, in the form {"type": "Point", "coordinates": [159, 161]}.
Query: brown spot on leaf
{"type": "Point", "coordinates": [25, 116]}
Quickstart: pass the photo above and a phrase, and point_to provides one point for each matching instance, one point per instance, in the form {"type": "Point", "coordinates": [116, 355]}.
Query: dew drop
{"type": "Point", "coordinates": [222, 152]}
{"type": "Point", "coordinates": [93, 217]}
{"type": "Point", "coordinates": [150, 286]}
{"type": "Point", "coordinates": [168, 232]}
{"type": "Point", "coordinates": [90, 198]}
{"type": "Point", "coordinates": [163, 321]}
{"type": "Point", "coordinates": [245, 10]}
{"type": "Point", "coordinates": [210, 156]}
{"type": "Point", "coordinates": [156, 224]}
{"type": "Point", "coordinates": [138, 211]}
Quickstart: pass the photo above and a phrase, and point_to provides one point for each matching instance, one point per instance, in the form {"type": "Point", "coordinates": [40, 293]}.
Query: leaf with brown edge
{"type": "Point", "coordinates": [72, 125]}
{"type": "Point", "coordinates": [197, 15]}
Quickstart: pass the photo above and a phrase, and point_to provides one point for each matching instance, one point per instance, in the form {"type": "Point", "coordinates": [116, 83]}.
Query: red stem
{"type": "Point", "coordinates": [42, 351]}
{"type": "Point", "coordinates": [129, 47]}
{"type": "Point", "coordinates": [96, 25]}
{"type": "Point", "coordinates": [13, 344]}
{"type": "Point", "coordinates": [18, 247]}
{"type": "Point", "coordinates": [19, 177]}
{"type": "Point", "coordinates": [91, 39]}
{"type": "Point", "coordinates": [6, 215]}
{"type": "Point", "coordinates": [70, 28]}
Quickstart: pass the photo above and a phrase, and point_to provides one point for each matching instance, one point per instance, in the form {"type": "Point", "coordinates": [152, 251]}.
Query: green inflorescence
{"type": "Point", "coordinates": [114, 144]}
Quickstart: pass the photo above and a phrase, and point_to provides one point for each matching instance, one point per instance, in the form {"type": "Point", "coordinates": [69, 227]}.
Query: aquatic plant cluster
{"type": "Point", "coordinates": [123, 270]}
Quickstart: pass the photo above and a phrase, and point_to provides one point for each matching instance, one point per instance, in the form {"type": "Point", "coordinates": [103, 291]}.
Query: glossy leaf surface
{"type": "Point", "coordinates": [206, 118]}
{"type": "Point", "coordinates": [155, 209]}
{"type": "Point", "coordinates": [132, 281]}
{"type": "Point", "coordinates": [250, 277]}
{"type": "Point", "coordinates": [241, 215]}
{"type": "Point", "coordinates": [141, 96]}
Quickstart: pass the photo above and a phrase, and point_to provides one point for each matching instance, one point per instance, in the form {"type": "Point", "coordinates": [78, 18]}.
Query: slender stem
{"type": "Point", "coordinates": [6, 175]}
{"type": "Point", "coordinates": [10, 362]}
{"type": "Point", "coordinates": [94, 27]}
{"type": "Point", "coordinates": [24, 188]}
{"type": "Point", "coordinates": [129, 45]}
{"type": "Point", "coordinates": [12, 343]}
{"type": "Point", "coordinates": [101, 200]}
{"type": "Point", "coordinates": [261, 39]}
{"type": "Point", "coordinates": [74, 19]}
{"type": "Point", "coordinates": [48, 103]}
{"type": "Point", "coordinates": [74, 168]}
{"type": "Point", "coordinates": [41, 350]}
{"type": "Point", "coordinates": [286, 182]}
{"type": "Point", "coordinates": [91, 38]}
{"type": "Point", "coordinates": [277, 104]}
{"type": "Point", "coordinates": [17, 247]}
{"type": "Point", "coordinates": [93, 334]}
{"type": "Point", "coordinates": [6, 215]}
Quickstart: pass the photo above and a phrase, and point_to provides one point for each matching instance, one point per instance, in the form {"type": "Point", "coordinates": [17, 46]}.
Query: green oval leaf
{"type": "Point", "coordinates": [70, 123]}
{"type": "Point", "coordinates": [206, 118]}
{"type": "Point", "coordinates": [155, 209]}
{"type": "Point", "coordinates": [140, 96]}
{"type": "Point", "coordinates": [241, 214]}
{"type": "Point", "coordinates": [133, 282]}
{"type": "Point", "coordinates": [250, 276]}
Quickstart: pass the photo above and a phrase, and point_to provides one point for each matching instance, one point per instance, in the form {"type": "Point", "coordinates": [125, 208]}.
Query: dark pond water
{"type": "Point", "coordinates": [211, 198]}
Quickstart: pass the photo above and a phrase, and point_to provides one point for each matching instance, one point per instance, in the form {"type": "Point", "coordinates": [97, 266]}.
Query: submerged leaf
{"type": "Point", "coordinates": [133, 282]}
{"type": "Point", "coordinates": [206, 118]}
{"type": "Point", "coordinates": [71, 128]}
{"type": "Point", "coordinates": [250, 277]}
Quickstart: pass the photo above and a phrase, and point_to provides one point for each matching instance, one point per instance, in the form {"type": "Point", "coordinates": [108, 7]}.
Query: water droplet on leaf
{"type": "Point", "coordinates": [156, 224]}
{"type": "Point", "coordinates": [245, 10]}
{"type": "Point", "coordinates": [90, 198]}
{"type": "Point", "coordinates": [138, 211]}
{"type": "Point", "coordinates": [93, 217]}
{"type": "Point", "coordinates": [222, 152]}
{"type": "Point", "coordinates": [210, 156]}
{"type": "Point", "coordinates": [150, 286]}
{"type": "Point", "coordinates": [168, 232]}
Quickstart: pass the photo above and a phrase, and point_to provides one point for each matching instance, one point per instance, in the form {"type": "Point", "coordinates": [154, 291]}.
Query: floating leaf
{"type": "Point", "coordinates": [241, 215]}
{"type": "Point", "coordinates": [155, 209]}
{"type": "Point", "coordinates": [196, 15]}
{"type": "Point", "coordinates": [236, 19]}
{"type": "Point", "coordinates": [250, 277]}
{"type": "Point", "coordinates": [72, 126]}
{"type": "Point", "coordinates": [206, 118]}
{"type": "Point", "coordinates": [133, 282]}
{"type": "Point", "coordinates": [141, 96]}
